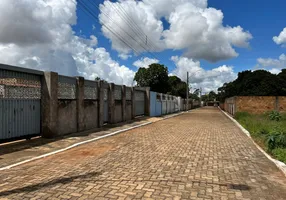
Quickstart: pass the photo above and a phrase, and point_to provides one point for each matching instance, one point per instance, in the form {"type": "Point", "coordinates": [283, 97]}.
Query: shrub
{"type": "Point", "coordinates": [275, 116]}
{"type": "Point", "coordinates": [280, 154]}
{"type": "Point", "coordinates": [276, 139]}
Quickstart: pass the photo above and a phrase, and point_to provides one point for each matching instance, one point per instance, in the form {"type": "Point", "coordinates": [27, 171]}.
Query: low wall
{"type": "Point", "coordinates": [255, 104]}
{"type": "Point", "coordinates": [67, 117]}
{"type": "Point", "coordinates": [282, 104]}
{"type": "Point", "coordinates": [128, 110]}
{"type": "Point", "coordinates": [118, 112]}
{"type": "Point", "coordinates": [90, 114]}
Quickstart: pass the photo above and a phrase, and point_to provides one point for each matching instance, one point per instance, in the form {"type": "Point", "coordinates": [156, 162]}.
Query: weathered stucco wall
{"type": "Point", "coordinates": [118, 112]}
{"type": "Point", "coordinates": [90, 114]}
{"type": "Point", "coordinates": [128, 110]}
{"type": "Point", "coordinates": [67, 117]}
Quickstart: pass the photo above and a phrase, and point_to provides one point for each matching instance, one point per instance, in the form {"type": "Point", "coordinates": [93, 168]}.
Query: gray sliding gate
{"type": "Point", "coordinates": [20, 103]}
{"type": "Point", "coordinates": [139, 102]}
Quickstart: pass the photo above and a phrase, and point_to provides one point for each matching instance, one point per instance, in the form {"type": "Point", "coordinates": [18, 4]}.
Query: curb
{"type": "Point", "coordinates": [83, 142]}
{"type": "Point", "coordinates": [279, 164]}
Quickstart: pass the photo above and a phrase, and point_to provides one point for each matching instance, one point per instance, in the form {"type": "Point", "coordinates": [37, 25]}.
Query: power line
{"type": "Point", "coordinates": [123, 30]}
{"type": "Point", "coordinates": [86, 10]}
{"type": "Point", "coordinates": [113, 21]}
{"type": "Point", "coordinates": [138, 28]}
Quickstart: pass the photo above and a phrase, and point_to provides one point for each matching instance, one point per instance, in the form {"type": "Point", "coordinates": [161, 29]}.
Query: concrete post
{"type": "Point", "coordinates": [80, 103]}
{"type": "Point", "coordinates": [124, 103]}
{"type": "Point", "coordinates": [49, 105]}
{"type": "Point", "coordinates": [147, 101]}
{"type": "Point", "coordinates": [133, 111]}
{"type": "Point", "coordinates": [111, 104]}
{"type": "Point", "coordinates": [100, 92]}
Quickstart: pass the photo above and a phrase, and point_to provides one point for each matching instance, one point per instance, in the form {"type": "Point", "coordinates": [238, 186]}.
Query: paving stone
{"type": "Point", "coordinates": [197, 155]}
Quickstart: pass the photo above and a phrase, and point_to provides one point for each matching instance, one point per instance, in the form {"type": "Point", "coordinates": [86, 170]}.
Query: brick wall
{"type": "Point", "coordinates": [255, 104]}
{"type": "Point", "coordinates": [282, 104]}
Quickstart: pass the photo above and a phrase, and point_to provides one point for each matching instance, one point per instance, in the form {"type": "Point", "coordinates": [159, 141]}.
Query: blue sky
{"type": "Point", "coordinates": [262, 19]}
{"type": "Point", "coordinates": [211, 39]}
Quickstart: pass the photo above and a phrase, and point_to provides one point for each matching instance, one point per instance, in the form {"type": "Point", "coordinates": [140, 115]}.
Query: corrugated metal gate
{"type": "Point", "coordinates": [139, 102]}
{"type": "Point", "coordinates": [20, 104]}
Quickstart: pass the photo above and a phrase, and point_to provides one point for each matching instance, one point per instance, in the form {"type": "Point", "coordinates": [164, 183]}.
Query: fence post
{"type": "Point", "coordinates": [49, 104]}
{"type": "Point", "coordinates": [100, 93]}
{"type": "Point", "coordinates": [133, 111]}
{"type": "Point", "coordinates": [111, 104]}
{"type": "Point", "coordinates": [123, 99]}
{"type": "Point", "coordinates": [147, 102]}
{"type": "Point", "coordinates": [80, 103]}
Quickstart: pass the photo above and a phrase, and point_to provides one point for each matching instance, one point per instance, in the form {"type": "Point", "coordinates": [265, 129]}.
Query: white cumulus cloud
{"type": "Point", "coordinates": [208, 80]}
{"type": "Point", "coordinates": [145, 62]}
{"type": "Point", "coordinates": [38, 34]}
{"type": "Point", "coordinates": [194, 27]}
{"type": "Point", "coordinates": [281, 38]}
{"type": "Point", "coordinates": [271, 64]}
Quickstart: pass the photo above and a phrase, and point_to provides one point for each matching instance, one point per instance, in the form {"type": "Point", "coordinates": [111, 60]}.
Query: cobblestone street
{"type": "Point", "coordinates": [196, 155]}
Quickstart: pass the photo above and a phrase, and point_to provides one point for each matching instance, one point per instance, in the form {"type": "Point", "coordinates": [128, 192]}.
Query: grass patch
{"type": "Point", "coordinates": [268, 130]}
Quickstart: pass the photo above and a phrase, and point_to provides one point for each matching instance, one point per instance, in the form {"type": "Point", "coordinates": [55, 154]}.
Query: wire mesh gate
{"type": "Point", "coordinates": [20, 104]}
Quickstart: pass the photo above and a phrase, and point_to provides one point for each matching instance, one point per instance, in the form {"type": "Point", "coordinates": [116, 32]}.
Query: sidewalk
{"type": "Point", "coordinates": [18, 151]}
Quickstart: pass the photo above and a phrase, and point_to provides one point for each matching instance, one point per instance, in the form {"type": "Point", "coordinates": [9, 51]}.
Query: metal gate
{"type": "Point", "coordinates": [139, 102]}
{"type": "Point", "coordinates": [105, 107]}
{"type": "Point", "coordinates": [20, 103]}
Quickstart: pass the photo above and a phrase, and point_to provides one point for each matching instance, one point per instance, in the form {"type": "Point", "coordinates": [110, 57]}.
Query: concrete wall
{"type": "Point", "coordinates": [90, 114]}
{"type": "Point", "coordinates": [118, 112]}
{"type": "Point", "coordinates": [254, 104]}
{"type": "Point", "coordinates": [67, 117]}
{"type": "Point", "coordinates": [128, 110]}
{"type": "Point", "coordinates": [73, 104]}
{"type": "Point", "coordinates": [153, 96]}
{"type": "Point", "coordinates": [162, 104]}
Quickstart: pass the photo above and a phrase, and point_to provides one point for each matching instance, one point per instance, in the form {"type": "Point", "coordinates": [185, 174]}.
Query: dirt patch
{"type": "Point", "coordinates": [78, 154]}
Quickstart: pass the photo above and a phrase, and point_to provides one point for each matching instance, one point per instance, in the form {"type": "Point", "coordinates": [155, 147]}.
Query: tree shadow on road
{"type": "Point", "coordinates": [61, 180]}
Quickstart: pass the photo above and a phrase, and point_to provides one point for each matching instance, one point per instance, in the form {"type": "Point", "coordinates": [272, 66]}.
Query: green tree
{"type": "Point", "coordinates": [155, 77]}
{"type": "Point", "coordinates": [177, 87]}
{"type": "Point", "coordinates": [282, 82]}
{"type": "Point", "coordinates": [212, 96]}
{"type": "Point", "coordinates": [99, 79]}
{"type": "Point", "coordinates": [255, 83]}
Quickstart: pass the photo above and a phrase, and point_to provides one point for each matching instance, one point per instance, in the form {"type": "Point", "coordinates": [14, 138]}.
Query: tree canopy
{"type": "Point", "coordinates": [255, 83]}
{"type": "Point", "coordinates": [177, 86]}
{"type": "Point", "coordinates": [155, 77]}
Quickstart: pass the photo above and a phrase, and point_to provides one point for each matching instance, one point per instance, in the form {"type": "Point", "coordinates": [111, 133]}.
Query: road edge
{"type": "Point", "coordinates": [85, 142]}
{"type": "Point", "coordinates": [279, 164]}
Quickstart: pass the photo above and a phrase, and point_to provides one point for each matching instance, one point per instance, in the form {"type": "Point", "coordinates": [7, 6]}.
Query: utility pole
{"type": "Point", "coordinates": [187, 104]}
